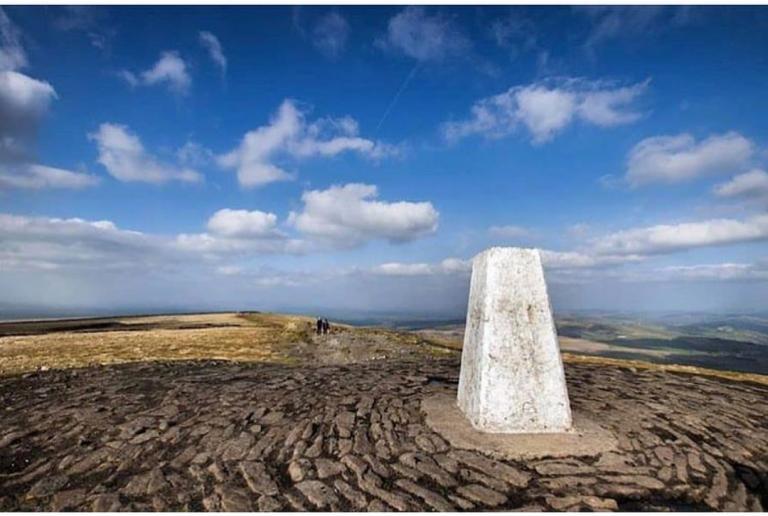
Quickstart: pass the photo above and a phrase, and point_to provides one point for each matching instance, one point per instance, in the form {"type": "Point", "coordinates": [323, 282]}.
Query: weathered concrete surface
{"type": "Point", "coordinates": [512, 377]}
{"type": "Point", "coordinates": [586, 438]}
{"type": "Point", "coordinates": [212, 435]}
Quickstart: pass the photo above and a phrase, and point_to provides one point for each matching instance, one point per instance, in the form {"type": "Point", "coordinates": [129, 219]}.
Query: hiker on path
{"type": "Point", "coordinates": [326, 326]}
{"type": "Point", "coordinates": [320, 325]}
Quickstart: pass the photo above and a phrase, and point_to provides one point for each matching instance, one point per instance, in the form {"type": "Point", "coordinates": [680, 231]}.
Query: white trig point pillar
{"type": "Point", "coordinates": [512, 378]}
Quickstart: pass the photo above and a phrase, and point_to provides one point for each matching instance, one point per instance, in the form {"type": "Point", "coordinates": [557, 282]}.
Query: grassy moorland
{"type": "Point", "coordinates": [247, 337]}
{"type": "Point", "coordinates": [262, 337]}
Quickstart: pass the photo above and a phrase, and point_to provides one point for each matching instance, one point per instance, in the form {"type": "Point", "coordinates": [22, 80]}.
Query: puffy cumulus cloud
{"type": "Point", "coordinates": [667, 238]}
{"type": "Point", "coordinates": [24, 103]}
{"type": "Point", "coordinates": [288, 135]}
{"type": "Point", "coordinates": [123, 155]}
{"type": "Point", "coordinates": [54, 243]}
{"type": "Point", "coordinates": [424, 37]}
{"type": "Point", "coordinates": [350, 215]}
{"type": "Point", "coordinates": [678, 158]}
{"type": "Point", "coordinates": [330, 34]}
{"type": "Point", "coordinates": [750, 185]}
{"type": "Point", "coordinates": [241, 232]}
{"type": "Point", "coordinates": [547, 108]}
{"type": "Point", "coordinates": [212, 44]}
{"type": "Point", "coordinates": [169, 70]}
{"type": "Point", "coordinates": [508, 232]}
{"type": "Point", "coordinates": [243, 223]}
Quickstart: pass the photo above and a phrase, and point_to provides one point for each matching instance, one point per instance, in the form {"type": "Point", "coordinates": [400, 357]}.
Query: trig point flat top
{"type": "Point", "coordinates": [512, 378]}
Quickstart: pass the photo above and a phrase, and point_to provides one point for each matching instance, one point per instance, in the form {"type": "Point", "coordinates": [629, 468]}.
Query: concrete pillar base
{"type": "Point", "coordinates": [585, 438]}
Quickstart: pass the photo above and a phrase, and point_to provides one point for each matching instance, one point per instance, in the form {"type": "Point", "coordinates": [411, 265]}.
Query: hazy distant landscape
{"type": "Point", "coordinates": [731, 342]}
{"type": "Point", "coordinates": [726, 342]}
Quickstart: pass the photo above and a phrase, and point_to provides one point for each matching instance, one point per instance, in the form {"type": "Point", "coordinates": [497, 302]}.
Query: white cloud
{"type": "Point", "coordinates": [289, 135]}
{"type": "Point", "coordinates": [243, 223]}
{"type": "Point", "coordinates": [24, 102]}
{"type": "Point", "coordinates": [36, 177]}
{"type": "Point", "coordinates": [330, 34]}
{"type": "Point", "coordinates": [614, 22]}
{"type": "Point", "coordinates": [229, 270]}
{"type": "Point", "coordinates": [447, 266]}
{"type": "Point", "coordinates": [424, 37]}
{"type": "Point", "coordinates": [508, 231]}
{"type": "Point", "coordinates": [349, 215]}
{"type": "Point", "coordinates": [667, 238]}
{"type": "Point", "coordinates": [713, 272]}
{"type": "Point", "coordinates": [194, 155]}
{"type": "Point", "coordinates": [129, 77]}
{"type": "Point", "coordinates": [170, 69]}
{"type": "Point", "coordinates": [241, 232]}
{"type": "Point", "coordinates": [213, 245]}
{"type": "Point", "coordinates": [546, 108]}
{"type": "Point", "coordinates": [551, 260]}
{"type": "Point", "coordinates": [12, 55]}
{"type": "Point", "coordinates": [749, 185]}
{"type": "Point", "coordinates": [514, 32]}
{"type": "Point", "coordinates": [123, 155]}
{"type": "Point", "coordinates": [579, 260]}
{"type": "Point", "coordinates": [53, 243]}
{"type": "Point", "coordinates": [674, 159]}
{"type": "Point", "coordinates": [90, 20]}
{"type": "Point", "coordinates": [215, 51]}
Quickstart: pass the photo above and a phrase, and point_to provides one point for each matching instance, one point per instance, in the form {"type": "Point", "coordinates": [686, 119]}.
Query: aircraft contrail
{"type": "Point", "coordinates": [392, 103]}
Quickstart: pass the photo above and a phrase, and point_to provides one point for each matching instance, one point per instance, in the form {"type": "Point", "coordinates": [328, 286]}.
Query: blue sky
{"type": "Point", "coordinates": [356, 158]}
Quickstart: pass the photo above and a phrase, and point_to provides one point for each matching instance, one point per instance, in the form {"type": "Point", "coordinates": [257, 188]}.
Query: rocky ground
{"type": "Point", "coordinates": [208, 435]}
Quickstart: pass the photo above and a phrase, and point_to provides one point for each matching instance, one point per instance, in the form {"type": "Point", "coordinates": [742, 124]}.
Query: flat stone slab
{"type": "Point", "coordinates": [586, 438]}
{"type": "Point", "coordinates": [222, 436]}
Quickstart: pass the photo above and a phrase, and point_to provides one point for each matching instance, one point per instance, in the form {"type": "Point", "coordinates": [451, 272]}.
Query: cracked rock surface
{"type": "Point", "coordinates": [223, 436]}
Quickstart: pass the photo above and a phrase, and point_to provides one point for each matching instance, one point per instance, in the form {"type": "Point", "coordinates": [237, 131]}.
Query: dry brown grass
{"type": "Point", "coordinates": [258, 338]}
{"type": "Point", "coordinates": [255, 338]}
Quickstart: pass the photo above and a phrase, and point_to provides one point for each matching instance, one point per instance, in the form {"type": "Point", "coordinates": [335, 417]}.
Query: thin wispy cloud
{"type": "Point", "coordinates": [330, 34]}
{"type": "Point", "coordinates": [88, 20]}
{"type": "Point", "coordinates": [610, 23]}
{"type": "Point", "coordinates": [417, 33]}
{"type": "Point", "coordinates": [211, 43]}
{"type": "Point", "coordinates": [546, 108]}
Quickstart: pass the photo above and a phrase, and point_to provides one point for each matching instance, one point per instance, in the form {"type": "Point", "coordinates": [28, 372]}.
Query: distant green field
{"type": "Point", "coordinates": [732, 343]}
